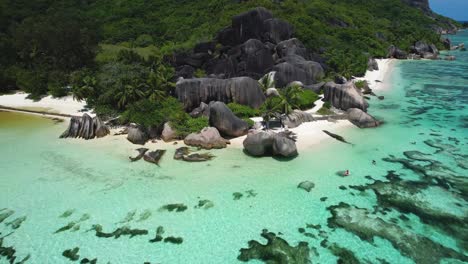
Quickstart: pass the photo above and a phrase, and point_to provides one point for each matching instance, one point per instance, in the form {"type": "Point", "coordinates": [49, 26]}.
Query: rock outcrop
{"type": "Point", "coordinates": [242, 90]}
{"type": "Point", "coordinates": [361, 119]}
{"type": "Point", "coordinates": [137, 134]}
{"type": "Point", "coordinates": [262, 143]}
{"type": "Point", "coordinates": [208, 138]}
{"type": "Point", "coordinates": [426, 51]}
{"type": "Point", "coordinates": [396, 53]}
{"type": "Point", "coordinates": [154, 156]}
{"type": "Point", "coordinates": [85, 127]}
{"type": "Point", "coordinates": [296, 68]}
{"type": "Point", "coordinates": [222, 118]}
{"type": "Point", "coordinates": [252, 46]}
{"type": "Point", "coordinates": [202, 110]}
{"type": "Point", "coordinates": [168, 134]}
{"type": "Point", "coordinates": [296, 118]}
{"type": "Point", "coordinates": [344, 96]}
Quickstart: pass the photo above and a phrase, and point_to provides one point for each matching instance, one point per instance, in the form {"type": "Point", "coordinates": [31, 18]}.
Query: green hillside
{"type": "Point", "coordinates": [44, 41]}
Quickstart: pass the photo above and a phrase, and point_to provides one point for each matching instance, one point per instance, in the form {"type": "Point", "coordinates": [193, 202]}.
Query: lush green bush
{"type": "Point", "coordinates": [360, 84]}
{"type": "Point", "coordinates": [149, 113]}
{"type": "Point", "coordinates": [144, 40]}
{"type": "Point", "coordinates": [249, 121]}
{"type": "Point", "coordinates": [184, 124]}
{"type": "Point", "coordinates": [307, 99]}
{"type": "Point", "coordinates": [243, 111]}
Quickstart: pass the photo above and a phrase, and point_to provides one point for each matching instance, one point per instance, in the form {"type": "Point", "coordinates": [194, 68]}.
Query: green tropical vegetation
{"type": "Point", "coordinates": [113, 54]}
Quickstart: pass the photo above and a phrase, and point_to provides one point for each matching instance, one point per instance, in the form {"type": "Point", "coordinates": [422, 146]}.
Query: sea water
{"type": "Point", "coordinates": [408, 207]}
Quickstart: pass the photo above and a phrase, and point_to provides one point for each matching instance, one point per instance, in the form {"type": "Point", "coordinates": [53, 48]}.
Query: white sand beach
{"type": "Point", "coordinates": [308, 134]}
{"type": "Point", "coordinates": [311, 133]}
{"type": "Point", "coordinates": [47, 105]}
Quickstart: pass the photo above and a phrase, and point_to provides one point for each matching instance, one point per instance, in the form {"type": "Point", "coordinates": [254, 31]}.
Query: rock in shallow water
{"type": "Point", "coordinates": [306, 185]}
{"type": "Point", "coordinates": [154, 156]}
{"type": "Point", "coordinates": [275, 251]}
{"type": "Point", "coordinates": [361, 119]}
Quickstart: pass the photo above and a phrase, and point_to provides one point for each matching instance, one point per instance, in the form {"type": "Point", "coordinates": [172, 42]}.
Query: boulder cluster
{"type": "Point", "coordinates": [262, 143]}
{"type": "Point", "coordinates": [255, 44]}
{"type": "Point", "coordinates": [419, 50]}
{"type": "Point", "coordinates": [85, 127]}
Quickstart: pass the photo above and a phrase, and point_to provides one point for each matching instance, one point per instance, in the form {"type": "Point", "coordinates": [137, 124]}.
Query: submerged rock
{"type": "Point", "coordinates": [225, 121]}
{"type": "Point", "coordinates": [208, 138]}
{"type": "Point", "coordinates": [337, 137]}
{"type": "Point", "coordinates": [198, 157]}
{"type": "Point", "coordinates": [159, 233]}
{"type": "Point", "coordinates": [173, 207]}
{"type": "Point", "coordinates": [85, 127]}
{"type": "Point", "coordinates": [141, 153]}
{"type": "Point", "coordinates": [121, 231]}
{"type": "Point", "coordinates": [414, 246]}
{"type": "Point", "coordinates": [72, 254]}
{"type": "Point", "coordinates": [181, 152]}
{"type": "Point", "coordinates": [154, 156]}
{"type": "Point", "coordinates": [361, 119]}
{"type": "Point", "coordinates": [306, 185]}
{"type": "Point", "coordinates": [276, 250]}
{"type": "Point", "coordinates": [15, 224]}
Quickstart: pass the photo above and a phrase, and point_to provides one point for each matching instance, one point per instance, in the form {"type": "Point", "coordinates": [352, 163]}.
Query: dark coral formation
{"type": "Point", "coordinates": [72, 254]}
{"type": "Point", "coordinates": [121, 231]}
{"type": "Point", "coordinates": [414, 246]}
{"type": "Point", "coordinates": [174, 207]}
{"type": "Point", "coordinates": [276, 251]}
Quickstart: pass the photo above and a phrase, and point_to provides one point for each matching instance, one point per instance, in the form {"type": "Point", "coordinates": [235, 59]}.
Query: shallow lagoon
{"type": "Point", "coordinates": [55, 192]}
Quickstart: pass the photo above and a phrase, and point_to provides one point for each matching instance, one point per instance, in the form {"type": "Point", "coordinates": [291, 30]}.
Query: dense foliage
{"type": "Point", "coordinates": [110, 53]}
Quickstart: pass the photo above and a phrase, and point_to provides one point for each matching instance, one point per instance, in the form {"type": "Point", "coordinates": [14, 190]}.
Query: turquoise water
{"type": "Point", "coordinates": [408, 208]}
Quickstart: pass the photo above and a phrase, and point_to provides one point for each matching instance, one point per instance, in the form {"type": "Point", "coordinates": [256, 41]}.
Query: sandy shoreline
{"type": "Point", "coordinates": [65, 106]}
{"type": "Point", "coordinates": [309, 134]}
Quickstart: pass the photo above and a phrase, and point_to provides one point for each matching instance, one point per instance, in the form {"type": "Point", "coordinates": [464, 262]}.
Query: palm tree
{"type": "Point", "coordinates": [85, 90]}
{"type": "Point", "coordinates": [159, 83]}
{"type": "Point", "coordinates": [130, 92]}
{"type": "Point", "coordinates": [269, 110]}
{"type": "Point", "coordinates": [290, 98]}
{"type": "Point", "coordinates": [267, 81]}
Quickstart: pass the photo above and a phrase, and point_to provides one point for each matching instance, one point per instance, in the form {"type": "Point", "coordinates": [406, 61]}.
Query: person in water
{"type": "Point", "coordinates": [346, 173]}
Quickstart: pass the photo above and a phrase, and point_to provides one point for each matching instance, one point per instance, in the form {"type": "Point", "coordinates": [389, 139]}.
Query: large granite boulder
{"type": "Point", "coordinates": [225, 121]}
{"type": "Point", "coordinates": [295, 68]}
{"type": "Point", "coordinates": [242, 90]}
{"type": "Point", "coordinates": [250, 24]}
{"type": "Point", "coordinates": [427, 51]}
{"type": "Point", "coordinates": [137, 134]}
{"type": "Point", "coordinates": [291, 47]}
{"type": "Point", "coordinates": [277, 30]}
{"type": "Point", "coordinates": [202, 110]}
{"type": "Point", "coordinates": [85, 127]}
{"type": "Point", "coordinates": [396, 53]}
{"type": "Point", "coordinates": [256, 58]}
{"type": "Point", "coordinates": [262, 143]}
{"type": "Point", "coordinates": [361, 119]}
{"type": "Point", "coordinates": [296, 118]}
{"type": "Point", "coordinates": [168, 133]}
{"type": "Point", "coordinates": [344, 96]}
{"type": "Point", "coordinates": [284, 146]}
{"type": "Point", "coordinates": [208, 138]}
{"type": "Point", "coordinates": [259, 143]}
